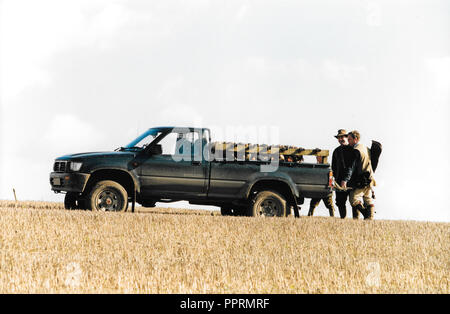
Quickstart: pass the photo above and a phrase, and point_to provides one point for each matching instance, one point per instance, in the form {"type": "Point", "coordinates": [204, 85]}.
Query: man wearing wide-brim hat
{"type": "Point", "coordinates": [341, 133]}
{"type": "Point", "coordinates": [342, 159]}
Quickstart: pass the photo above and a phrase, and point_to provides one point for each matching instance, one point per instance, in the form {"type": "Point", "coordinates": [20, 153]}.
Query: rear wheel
{"type": "Point", "coordinates": [108, 196]}
{"type": "Point", "coordinates": [268, 204]}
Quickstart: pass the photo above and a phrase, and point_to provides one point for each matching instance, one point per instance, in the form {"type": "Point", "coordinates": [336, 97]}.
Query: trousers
{"type": "Point", "coordinates": [328, 201]}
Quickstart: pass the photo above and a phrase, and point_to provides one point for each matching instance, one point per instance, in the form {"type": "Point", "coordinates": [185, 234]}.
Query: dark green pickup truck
{"type": "Point", "coordinates": [168, 164]}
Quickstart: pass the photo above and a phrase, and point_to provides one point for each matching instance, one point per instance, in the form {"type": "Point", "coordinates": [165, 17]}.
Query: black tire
{"type": "Point", "coordinates": [108, 196]}
{"type": "Point", "coordinates": [268, 204]}
{"type": "Point", "coordinates": [81, 203]}
{"type": "Point", "coordinates": [240, 211]}
{"type": "Point", "coordinates": [70, 200]}
{"type": "Point", "coordinates": [148, 204]}
{"type": "Point", "coordinates": [226, 211]}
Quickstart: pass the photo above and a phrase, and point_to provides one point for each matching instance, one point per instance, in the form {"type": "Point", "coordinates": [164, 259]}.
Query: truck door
{"type": "Point", "coordinates": [180, 171]}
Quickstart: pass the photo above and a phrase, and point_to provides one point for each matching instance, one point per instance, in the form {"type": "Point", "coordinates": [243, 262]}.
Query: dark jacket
{"type": "Point", "coordinates": [342, 159]}
{"type": "Point", "coordinates": [360, 173]}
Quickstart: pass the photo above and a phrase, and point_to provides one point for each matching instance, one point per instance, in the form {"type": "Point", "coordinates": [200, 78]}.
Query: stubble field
{"type": "Point", "coordinates": [46, 249]}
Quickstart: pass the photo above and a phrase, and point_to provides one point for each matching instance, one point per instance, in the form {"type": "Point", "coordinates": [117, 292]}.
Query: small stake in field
{"type": "Point", "coordinates": [15, 197]}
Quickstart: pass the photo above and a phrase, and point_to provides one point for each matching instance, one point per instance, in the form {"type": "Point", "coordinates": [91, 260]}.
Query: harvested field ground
{"type": "Point", "coordinates": [46, 249]}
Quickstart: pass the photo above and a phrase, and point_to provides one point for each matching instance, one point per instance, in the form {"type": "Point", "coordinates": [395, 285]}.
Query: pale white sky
{"type": "Point", "coordinates": [88, 75]}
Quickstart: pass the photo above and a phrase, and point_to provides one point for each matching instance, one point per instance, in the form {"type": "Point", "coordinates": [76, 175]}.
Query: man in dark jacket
{"type": "Point", "coordinates": [342, 159]}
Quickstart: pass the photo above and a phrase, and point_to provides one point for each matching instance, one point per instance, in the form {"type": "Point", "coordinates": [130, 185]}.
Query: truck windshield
{"type": "Point", "coordinates": [144, 139]}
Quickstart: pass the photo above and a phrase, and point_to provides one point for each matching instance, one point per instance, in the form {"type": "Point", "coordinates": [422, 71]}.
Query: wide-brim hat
{"type": "Point", "coordinates": [341, 132]}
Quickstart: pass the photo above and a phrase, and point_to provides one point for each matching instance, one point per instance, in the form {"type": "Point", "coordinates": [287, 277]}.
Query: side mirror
{"type": "Point", "coordinates": [156, 149]}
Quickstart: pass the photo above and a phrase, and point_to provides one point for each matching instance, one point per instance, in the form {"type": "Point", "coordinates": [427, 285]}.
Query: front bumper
{"type": "Point", "coordinates": [68, 182]}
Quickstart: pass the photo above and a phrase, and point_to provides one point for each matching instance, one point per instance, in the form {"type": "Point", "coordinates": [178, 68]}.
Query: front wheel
{"type": "Point", "coordinates": [268, 204]}
{"type": "Point", "coordinates": [108, 196]}
{"type": "Point", "coordinates": [226, 211]}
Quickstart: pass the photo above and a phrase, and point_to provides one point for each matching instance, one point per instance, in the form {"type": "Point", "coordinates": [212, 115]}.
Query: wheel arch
{"type": "Point", "coordinates": [274, 184]}
{"type": "Point", "coordinates": [123, 177]}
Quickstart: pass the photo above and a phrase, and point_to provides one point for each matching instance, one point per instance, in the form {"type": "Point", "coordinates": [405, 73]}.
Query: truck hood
{"type": "Point", "coordinates": [89, 155]}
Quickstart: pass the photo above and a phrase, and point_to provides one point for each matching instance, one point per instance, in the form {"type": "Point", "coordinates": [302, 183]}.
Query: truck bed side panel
{"type": "Point", "coordinates": [233, 180]}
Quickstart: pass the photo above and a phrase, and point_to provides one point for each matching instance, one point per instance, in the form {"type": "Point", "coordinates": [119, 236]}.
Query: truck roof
{"type": "Point", "coordinates": [178, 127]}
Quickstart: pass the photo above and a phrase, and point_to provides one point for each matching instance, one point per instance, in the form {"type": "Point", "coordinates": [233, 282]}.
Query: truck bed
{"type": "Point", "coordinates": [231, 179]}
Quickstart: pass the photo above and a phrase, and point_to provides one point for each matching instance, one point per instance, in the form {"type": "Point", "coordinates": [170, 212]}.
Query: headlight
{"type": "Point", "coordinates": [75, 166]}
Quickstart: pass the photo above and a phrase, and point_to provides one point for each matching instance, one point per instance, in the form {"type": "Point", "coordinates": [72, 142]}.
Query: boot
{"type": "Point", "coordinates": [329, 205]}
{"type": "Point", "coordinates": [355, 213]}
{"type": "Point", "coordinates": [331, 210]}
{"type": "Point", "coordinates": [328, 201]}
{"type": "Point", "coordinates": [370, 209]}
{"type": "Point", "coordinates": [312, 205]}
{"type": "Point", "coordinates": [342, 211]}
{"type": "Point", "coordinates": [360, 208]}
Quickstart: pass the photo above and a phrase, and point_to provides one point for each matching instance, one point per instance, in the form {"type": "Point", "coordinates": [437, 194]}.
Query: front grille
{"type": "Point", "coordinates": [61, 166]}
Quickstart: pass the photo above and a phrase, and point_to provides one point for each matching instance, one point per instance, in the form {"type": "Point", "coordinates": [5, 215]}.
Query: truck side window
{"type": "Point", "coordinates": [168, 144]}
{"type": "Point", "coordinates": [179, 143]}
